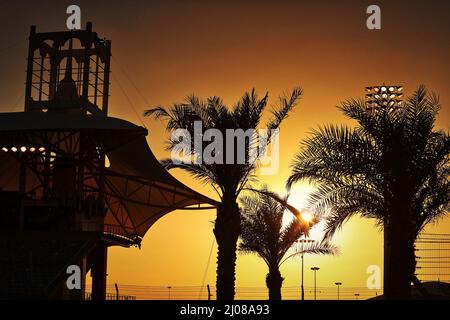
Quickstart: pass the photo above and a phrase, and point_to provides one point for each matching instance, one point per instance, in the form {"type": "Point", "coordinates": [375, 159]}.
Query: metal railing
{"type": "Point", "coordinates": [120, 232]}
{"type": "Point", "coordinates": [111, 296]}
{"type": "Point", "coordinates": [116, 232]}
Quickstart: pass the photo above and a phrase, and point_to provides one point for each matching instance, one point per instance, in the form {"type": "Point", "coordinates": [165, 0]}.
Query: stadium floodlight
{"type": "Point", "coordinates": [383, 97]}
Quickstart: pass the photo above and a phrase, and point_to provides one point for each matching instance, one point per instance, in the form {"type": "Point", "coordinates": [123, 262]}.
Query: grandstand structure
{"type": "Point", "coordinates": [73, 180]}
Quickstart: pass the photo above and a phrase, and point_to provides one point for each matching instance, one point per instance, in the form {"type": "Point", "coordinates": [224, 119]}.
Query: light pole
{"type": "Point", "coordinates": [315, 269]}
{"type": "Point", "coordinates": [302, 241]}
{"type": "Point", "coordinates": [338, 284]}
{"type": "Point", "coordinates": [169, 287]}
{"type": "Point", "coordinates": [356, 295]}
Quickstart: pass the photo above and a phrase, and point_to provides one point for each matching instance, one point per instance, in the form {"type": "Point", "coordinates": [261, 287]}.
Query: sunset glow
{"type": "Point", "coordinates": [165, 51]}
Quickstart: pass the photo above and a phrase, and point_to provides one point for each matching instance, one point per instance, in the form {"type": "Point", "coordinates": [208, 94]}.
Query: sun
{"type": "Point", "coordinates": [307, 216]}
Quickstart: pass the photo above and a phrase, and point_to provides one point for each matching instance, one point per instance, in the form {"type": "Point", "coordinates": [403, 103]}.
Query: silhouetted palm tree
{"type": "Point", "coordinates": [228, 180]}
{"type": "Point", "coordinates": [392, 167]}
{"type": "Point", "coordinates": [263, 233]}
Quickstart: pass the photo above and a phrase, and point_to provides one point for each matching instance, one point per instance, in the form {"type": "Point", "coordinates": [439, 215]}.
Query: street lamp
{"type": "Point", "coordinates": [356, 295]}
{"type": "Point", "coordinates": [338, 284]}
{"type": "Point", "coordinates": [169, 287]}
{"type": "Point", "coordinates": [315, 282]}
{"type": "Point", "coordinates": [302, 241]}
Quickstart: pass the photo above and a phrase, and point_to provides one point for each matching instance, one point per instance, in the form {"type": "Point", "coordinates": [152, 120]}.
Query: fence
{"type": "Point", "coordinates": [110, 296]}
{"type": "Point", "coordinates": [433, 257]}
{"type": "Point", "coordinates": [433, 264]}
{"type": "Point", "coordinates": [243, 293]}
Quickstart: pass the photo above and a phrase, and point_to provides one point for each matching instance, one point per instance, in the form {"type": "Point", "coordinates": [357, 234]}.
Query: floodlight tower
{"type": "Point", "coordinates": [384, 97]}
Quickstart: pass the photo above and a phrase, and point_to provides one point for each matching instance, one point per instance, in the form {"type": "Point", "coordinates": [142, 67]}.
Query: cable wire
{"type": "Point", "coordinates": [207, 267]}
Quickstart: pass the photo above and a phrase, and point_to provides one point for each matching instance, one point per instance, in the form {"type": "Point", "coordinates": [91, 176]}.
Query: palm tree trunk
{"type": "Point", "coordinates": [399, 257]}
{"type": "Point", "coordinates": [274, 281]}
{"type": "Point", "coordinates": [226, 230]}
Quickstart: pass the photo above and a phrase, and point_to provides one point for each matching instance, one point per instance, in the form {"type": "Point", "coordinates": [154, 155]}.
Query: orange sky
{"type": "Point", "coordinates": [174, 48]}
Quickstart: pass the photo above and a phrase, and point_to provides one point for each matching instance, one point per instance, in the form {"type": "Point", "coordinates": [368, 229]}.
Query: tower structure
{"type": "Point", "coordinates": [74, 181]}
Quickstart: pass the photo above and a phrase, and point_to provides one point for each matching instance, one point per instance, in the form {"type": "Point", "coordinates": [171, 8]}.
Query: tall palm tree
{"type": "Point", "coordinates": [263, 234]}
{"type": "Point", "coordinates": [393, 167]}
{"type": "Point", "coordinates": [228, 180]}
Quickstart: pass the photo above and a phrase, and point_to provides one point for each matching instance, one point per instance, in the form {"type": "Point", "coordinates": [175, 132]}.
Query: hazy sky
{"type": "Point", "coordinates": [170, 49]}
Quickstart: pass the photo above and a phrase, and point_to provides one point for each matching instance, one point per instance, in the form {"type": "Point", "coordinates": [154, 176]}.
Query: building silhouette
{"type": "Point", "coordinates": [74, 181]}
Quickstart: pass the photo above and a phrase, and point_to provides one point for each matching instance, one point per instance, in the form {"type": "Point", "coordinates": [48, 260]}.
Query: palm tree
{"type": "Point", "coordinates": [393, 167]}
{"type": "Point", "coordinates": [263, 234]}
{"type": "Point", "coordinates": [228, 180]}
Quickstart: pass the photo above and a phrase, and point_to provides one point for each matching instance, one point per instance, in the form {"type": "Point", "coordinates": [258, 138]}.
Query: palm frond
{"type": "Point", "coordinates": [198, 171]}
{"type": "Point", "coordinates": [286, 104]}
{"type": "Point", "coordinates": [324, 248]}
{"type": "Point", "coordinates": [362, 171]}
{"type": "Point", "coordinates": [214, 114]}
{"type": "Point", "coordinates": [262, 226]}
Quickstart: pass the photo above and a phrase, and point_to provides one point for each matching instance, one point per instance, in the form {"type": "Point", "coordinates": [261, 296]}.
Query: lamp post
{"type": "Point", "coordinates": [169, 287]}
{"type": "Point", "coordinates": [356, 295]}
{"type": "Point", "coordinates": [315, 269]}
{"type": "Point", "coordinates": [302, 241]}
{"type": "Point", "coordinates": [338, 284]}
